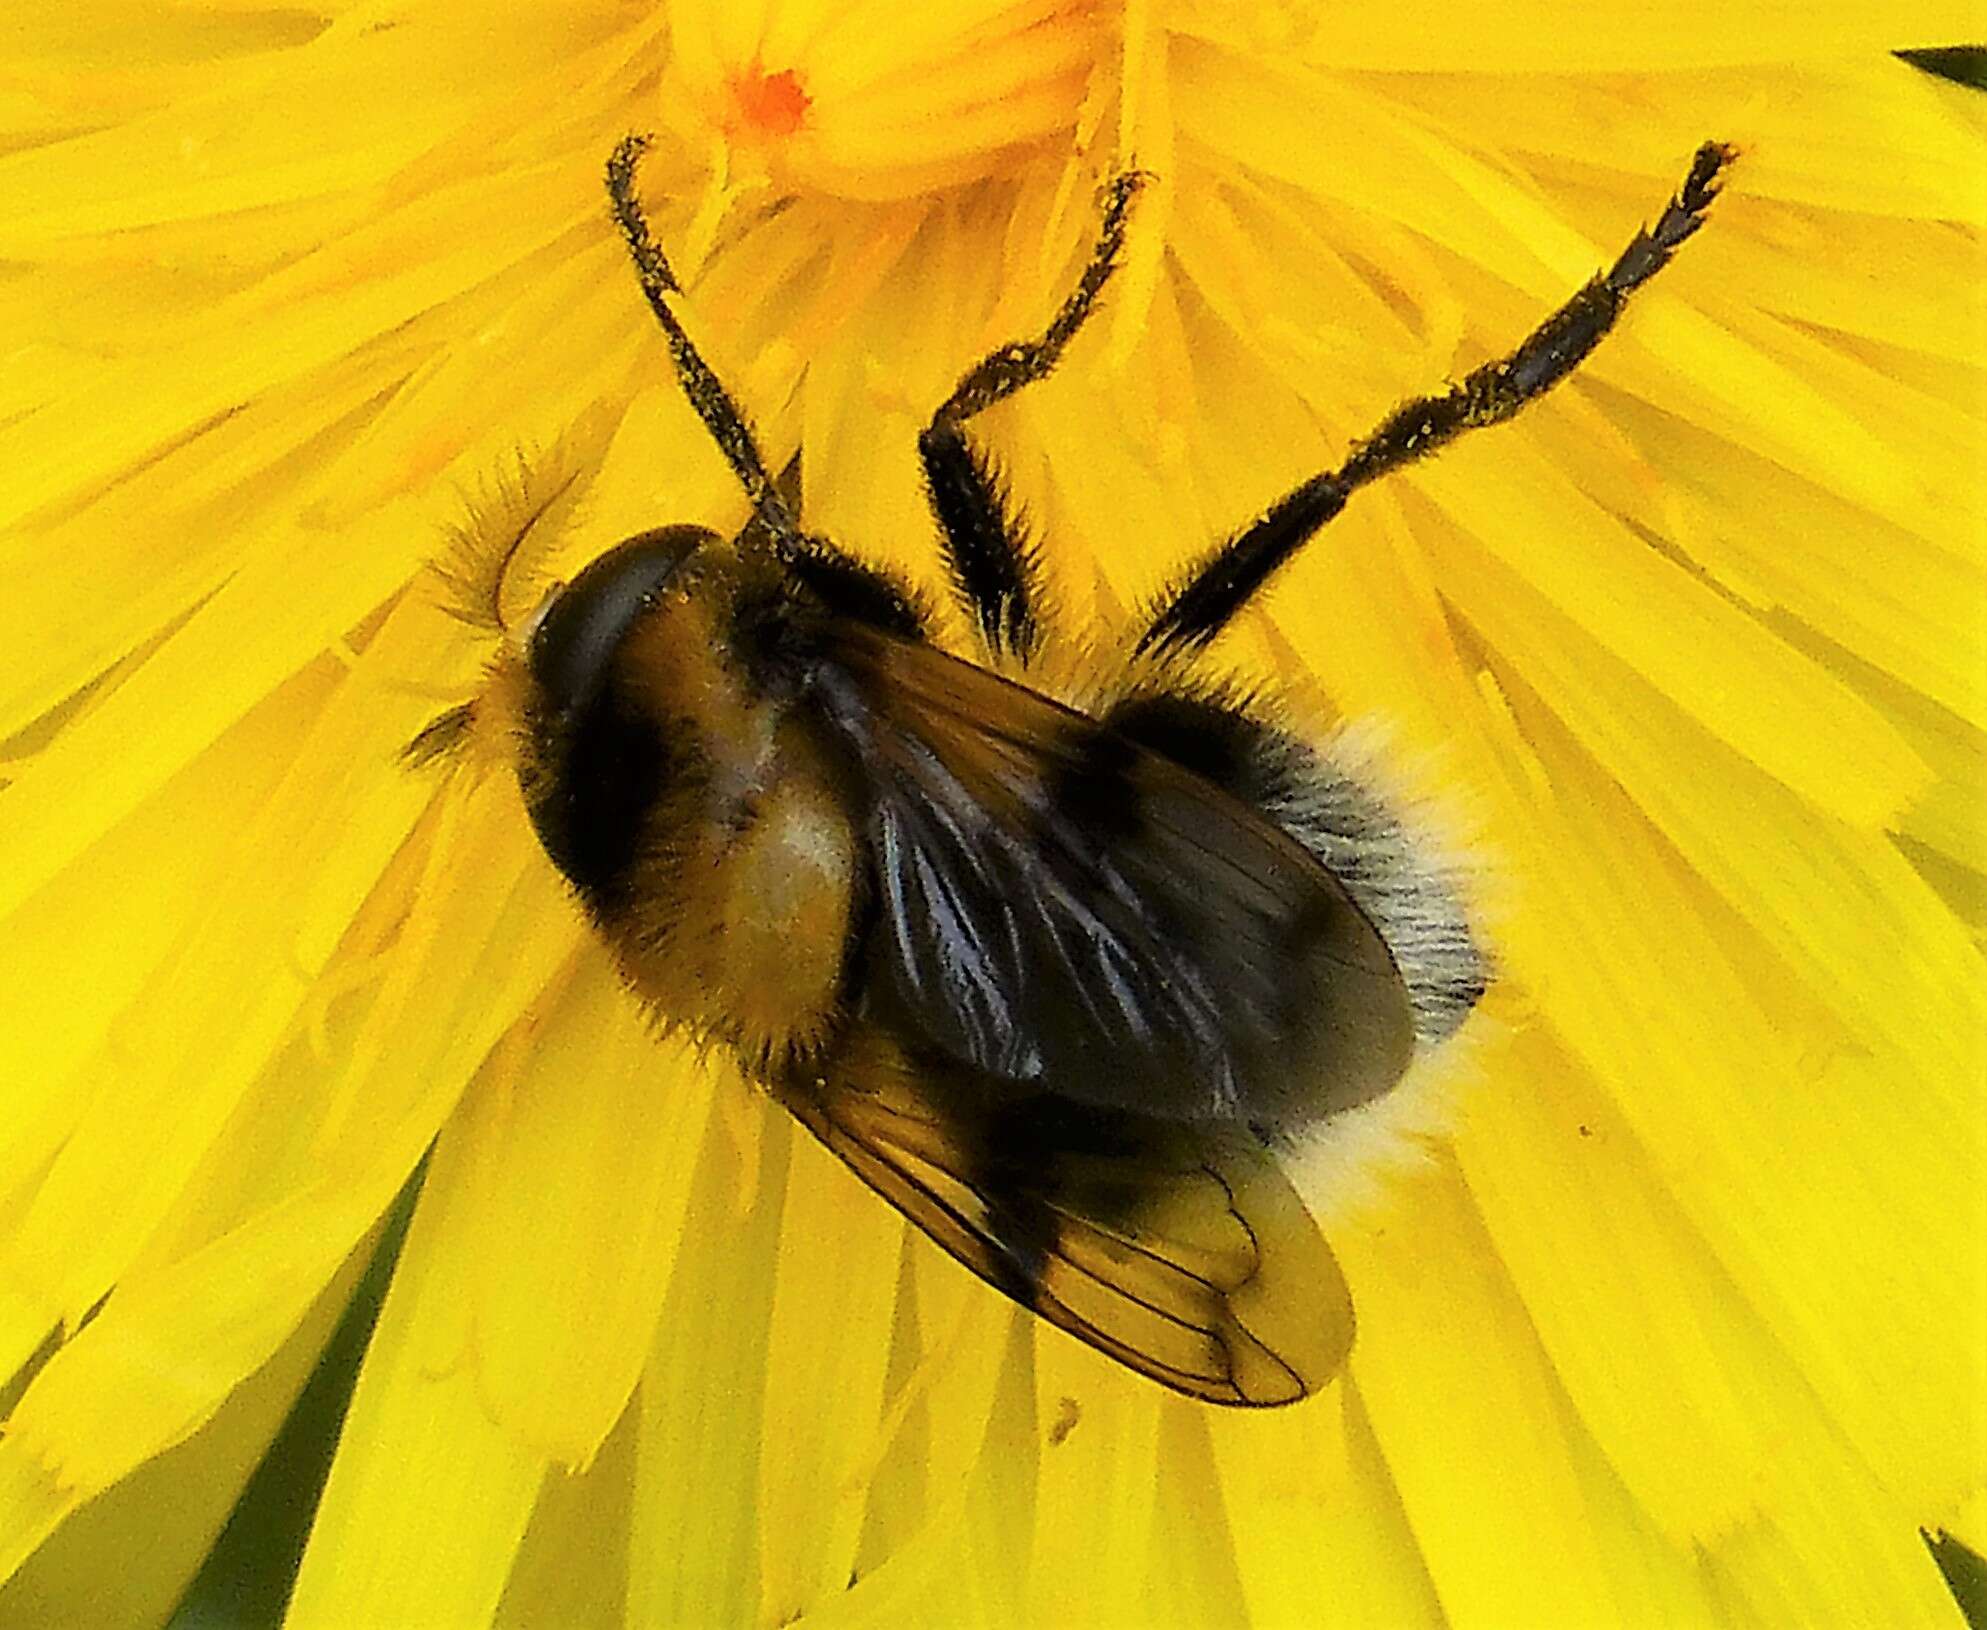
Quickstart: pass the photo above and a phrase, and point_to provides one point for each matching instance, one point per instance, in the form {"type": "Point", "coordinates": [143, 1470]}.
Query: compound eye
{"type": "Point", "coordinates": [575, 633]}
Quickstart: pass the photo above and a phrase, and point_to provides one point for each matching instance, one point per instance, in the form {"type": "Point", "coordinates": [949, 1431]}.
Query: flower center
{"type": "Point", "coordinates": [814, 101]}
{"type": "Point", "coordinates": [768, 104]}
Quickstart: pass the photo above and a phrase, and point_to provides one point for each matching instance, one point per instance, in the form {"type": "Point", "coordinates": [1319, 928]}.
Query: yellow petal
{"type": "Point", "coordinates": [1687, 1020]}
{"type": "Point", "coordinates": [886, 103]}
{"type": "Point", "coordinates": [1825, 1564]}
{"type": "Point", "coordinates": [958, 1353]}
{"type": "Point", "coordinates": [100, 930]}
{"type": "Point", "coordinates": [174, 1338]}
{"type": "Point", "coordinates": [328, 305]}
{"type": "Point", "coordinates": [1317, 1521]}
{"type": "Point", "coordinates": [1898, 601]}
{"type": "Point", "coordinates": [1490, 1480]}
{"type": "Point", "coordinates": [828, 1336]}
{"type": "Point", "coordinates": [1563, 37]}
{"type": "Point", "coordinates": [1758, 695]}
{"type": "Point", "coordinates": [966, 1563]}
{"type": "Point", "coordinates": [1710, 1425]}
{"type": "Point", "coordinates": [178, 531]}
{"type": "Point", "coordinates": [428, 1497]}
{"type": "Point", "coordinates": [693, 1553]}
{"type": "Point", "coordinates": [1101, 1438]}
{"type": "Point", "coordinates": [178, 1501]}
{"type": "Point", "coordinates": [107, 1190]}
{"type": "Point", "coordinates": [584, 1168]}
{"type": "Point", "coordinates": [572, 1565]}
{"type": "Point", "coordinates": [1970, 1524]}
{"type": "Point", "coordinates": [1796, 130]}
{"type": "Point", "coordinates": [267, 623]}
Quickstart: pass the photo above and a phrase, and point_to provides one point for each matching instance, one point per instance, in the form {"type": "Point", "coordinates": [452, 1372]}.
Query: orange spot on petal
{"type": "Point", "coordinates": [769, 104]}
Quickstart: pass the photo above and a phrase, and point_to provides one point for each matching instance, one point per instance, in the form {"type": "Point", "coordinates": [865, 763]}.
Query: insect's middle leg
{"type": "Point", "coordinates": [985, 549]}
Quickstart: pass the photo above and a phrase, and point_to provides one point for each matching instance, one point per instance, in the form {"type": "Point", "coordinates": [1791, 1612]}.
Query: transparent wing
{"type": "Point", "coordinates": [1179, 1251]}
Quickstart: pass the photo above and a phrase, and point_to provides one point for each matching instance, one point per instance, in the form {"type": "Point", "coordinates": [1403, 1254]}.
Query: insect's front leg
{"type": "Point", "coordinates": [989, 557]}
{"type": "Point", "coordinates": [721, 415]}
{"type": "Point", "coordinates": [775, 521]}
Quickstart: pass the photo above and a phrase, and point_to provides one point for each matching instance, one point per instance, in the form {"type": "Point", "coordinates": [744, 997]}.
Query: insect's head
{"type": "Point", "coordinates": [610, 673]}
{"type": "Point", "coordinates": [571, 640]}
{"type": "Point", "coordinates": [493, 576]}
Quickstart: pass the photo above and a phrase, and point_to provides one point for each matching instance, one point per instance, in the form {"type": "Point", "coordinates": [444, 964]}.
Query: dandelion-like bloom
{"type": "Point", "coordinates": [1679, 1319]}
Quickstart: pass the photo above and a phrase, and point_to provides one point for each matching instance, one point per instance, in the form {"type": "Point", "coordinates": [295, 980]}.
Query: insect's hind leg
{"type": "Point", "coordinates": [987, 554]}
{"type": "Point", "coordinates": [1193, 613]}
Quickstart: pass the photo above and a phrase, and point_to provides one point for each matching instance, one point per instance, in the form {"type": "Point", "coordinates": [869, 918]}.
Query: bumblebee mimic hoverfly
{"type": "Point", "coordinates": [1060, 984]}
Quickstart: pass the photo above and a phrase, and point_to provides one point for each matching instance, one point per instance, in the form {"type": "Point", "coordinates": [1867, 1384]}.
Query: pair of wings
{"type": "Point", "coordinates": [1065, 909]}
{"type": "Point", "coordinates": [1092, 978]}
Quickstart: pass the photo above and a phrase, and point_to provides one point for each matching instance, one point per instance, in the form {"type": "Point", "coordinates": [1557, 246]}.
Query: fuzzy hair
{"type": "Point", "coordinates": [1416, 865]}
{"type": "Point", "coordinates": [1400, 861]}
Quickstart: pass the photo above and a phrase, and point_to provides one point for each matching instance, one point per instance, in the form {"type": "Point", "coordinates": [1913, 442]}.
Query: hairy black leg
{"type": "Point", "coordinates": [844, 581]}
{"type": "Point", "coordinates": [1223, 583]}
{"type": "Point", "coordinates": [721, 415]}
{"type": "Point", "coordinates": [990, 559]}
{"type": "Point", "coordinates": [757, 533]}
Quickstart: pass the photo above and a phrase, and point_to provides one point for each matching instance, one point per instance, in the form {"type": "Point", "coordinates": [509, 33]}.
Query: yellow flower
{"type": "Point", "coordinates": [1680, 1318]}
